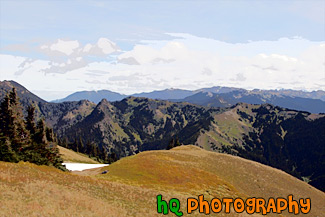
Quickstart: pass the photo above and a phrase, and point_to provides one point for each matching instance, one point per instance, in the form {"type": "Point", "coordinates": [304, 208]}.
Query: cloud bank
{"type": "Point", "coordinates": [184, 62]}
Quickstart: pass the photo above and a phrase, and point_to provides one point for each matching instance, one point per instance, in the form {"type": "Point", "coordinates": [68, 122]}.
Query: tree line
{"type": "Point", "coordinates": [89, 148]}
{"type": "Point", "coordinates": [23, 139]}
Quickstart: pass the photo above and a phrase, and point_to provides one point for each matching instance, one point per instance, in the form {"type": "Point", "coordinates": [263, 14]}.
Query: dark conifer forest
{"type": "Point", "coordinates": [21, 139]}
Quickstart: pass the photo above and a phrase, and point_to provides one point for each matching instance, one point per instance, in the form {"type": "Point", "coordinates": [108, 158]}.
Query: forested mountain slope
{"type": "Point", "coordinates": [287, 139]}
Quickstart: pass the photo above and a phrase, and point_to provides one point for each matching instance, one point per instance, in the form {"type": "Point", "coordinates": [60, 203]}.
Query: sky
{"type": "Point", "coordinates": [57, 47]}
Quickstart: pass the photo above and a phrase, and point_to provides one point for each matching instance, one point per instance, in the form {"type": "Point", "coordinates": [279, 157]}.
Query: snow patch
{"type": "Point", "coordinates": [81, 166]}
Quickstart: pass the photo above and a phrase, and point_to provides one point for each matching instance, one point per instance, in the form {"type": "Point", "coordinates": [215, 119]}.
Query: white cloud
{"type": "Point", "coordinates": [262, 64]}
{"type": "Point", "coordinates": [69, 55]}
{"type": "Point", "coordinates": [128, 61]}
{"type": "Point", "coordinates": [186, 62]}
{"type": "Point", "coordinates": [103, 47]}
{"type": "Point", "coordinates": [144, 54]}
{"type": "Point", "coordinates": [87, 48]}
{"type": "Point", "coordinates": [68, 66]}
{"type": "Point", "coordinates": [107, 46]}
{"type": "Point", "coordinates": [9, 65]}
{"type": "Point", "coordinates": [66, 47]}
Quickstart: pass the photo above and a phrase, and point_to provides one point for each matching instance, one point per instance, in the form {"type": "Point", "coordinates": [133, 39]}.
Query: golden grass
{"type": "Point", "coordinates": [190, 170]}
{"type": "Point", "coordinates": [30, 190]}
{"type": "Point", "coordinates": [132, 184]}
{"type": "Point", "coordinates": [74, 157]}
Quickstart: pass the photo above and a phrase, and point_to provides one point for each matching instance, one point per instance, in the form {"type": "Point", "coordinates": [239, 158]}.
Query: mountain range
{"type": "Point", "coordinates": [218, 96]}
{"type": "Point", "coordinates": [290, 140]}
{"type": "Point", "coordinates": [231, 98]}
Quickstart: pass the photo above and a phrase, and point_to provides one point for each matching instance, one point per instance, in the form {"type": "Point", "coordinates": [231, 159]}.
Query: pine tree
{"type": "Point", "coordinates": [6, 152]}
{"type": "Point", "coordinates": [88, 148]}
{"type": "Point", "coordinates": [105, 153]}
{"type": "Point", "coordinates": [13, 97]}
{"type": "Point", "coordinates": [21, 140]}
{"type": "Point", "coordinates": [171, 144]}
{"type": "Point", "coordinates": [76, 145]}
{"type": "Point", "coordinates": [81, 146]}
{"type": "Point", "coordinates": [5, 117]}
{"type": "Point", "coordinates": [50, 134]}
{"type": "Point", "coordinates": [12, 122]}
{"type": "Point", "coordinates": [94, 150]}
{"type": "Point", "coordinates": [40, 136]}
{"type": "Point", "coordinates": [65, 142]}
{"type": "Point", "coordinates": [177, 143]}
{"type": "Point", "coordinates": [30, 120]}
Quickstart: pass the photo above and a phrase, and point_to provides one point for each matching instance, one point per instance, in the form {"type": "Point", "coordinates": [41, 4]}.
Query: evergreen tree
{"type": "Point", "coordinates": [177, 143]}
{"type": "Point", "coordinates": [94, 150]}
{"type": "Point", "coordinates": [6, 152]}
{"type": "Point", "coordinates": [30, 120]}
{"type": "Point", "coordinates": [105, 153]}
{"type": "Point", "coordinates": [112, 157]}
{"type": "Point", "coordinates": [21, 140]}
{"type": "Point", "coordinates": [89, 148]}
{"type": "Point", "coordinates": [81, 146]}
{"type": "Point", "coordinates": [65, 142]}
{"type": "Point", "coordinates": [40, 136]}
{"type": "Point", "coordinates": [12, 122]}
{"type": "Point", "coordinates": [75, 145]}
{"type": "Point", "coordinates": [5, 117]}
{"type": "Point", "coordinates": [50, 134]}
{"type": "Point", "coordinates": [13, 97]}
{"type": "Point", "coordinates": [171, 144]}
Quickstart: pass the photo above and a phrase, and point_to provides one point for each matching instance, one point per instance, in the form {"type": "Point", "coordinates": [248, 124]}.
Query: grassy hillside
{"type": "Point", "coordinates": [132, 184]}
{"type": "Point", "coordinates": [70, 156]}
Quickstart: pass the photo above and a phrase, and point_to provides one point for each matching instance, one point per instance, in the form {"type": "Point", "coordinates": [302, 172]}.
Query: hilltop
{"type": "Point", "coordinates": [132, 184]}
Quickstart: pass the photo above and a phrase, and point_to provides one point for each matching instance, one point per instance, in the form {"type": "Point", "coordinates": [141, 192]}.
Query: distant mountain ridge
{"type": "Point", "coordinates": [94, 96]}
{"type": "Point", "coordinates": [165, 94]}
{"type": "Point", "coordinates": [219, 96]}
{"type": "Point", "coordinates": [318, 94]}
{"type": "Point", "coordinates": [252, 97]}
{"type": "Point", "coordinates": [97, 96]}
{"type": "Point", "coordinates": [174, 93]}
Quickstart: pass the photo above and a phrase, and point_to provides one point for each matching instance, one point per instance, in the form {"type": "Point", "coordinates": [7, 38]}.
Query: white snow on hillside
{"type": "Point", "coordinates": [82, 166]}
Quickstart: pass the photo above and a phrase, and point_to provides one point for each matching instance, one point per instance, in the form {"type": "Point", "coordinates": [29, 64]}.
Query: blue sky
{"type": "Point", "coordinates": [58, 47]}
